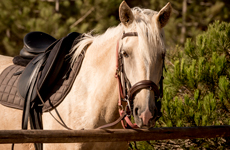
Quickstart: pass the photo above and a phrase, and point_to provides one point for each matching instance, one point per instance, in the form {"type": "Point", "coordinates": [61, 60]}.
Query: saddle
{"type": "Point", "coordinates": [48, 74]}
{"type": "Point", "coordinates": [42, 71]}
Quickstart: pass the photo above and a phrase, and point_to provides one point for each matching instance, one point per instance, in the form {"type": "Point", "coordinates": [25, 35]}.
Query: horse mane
{"type": "Point", "coordinates": [88, 39]}
{"type": "Point", "coordinates": [144, 25]}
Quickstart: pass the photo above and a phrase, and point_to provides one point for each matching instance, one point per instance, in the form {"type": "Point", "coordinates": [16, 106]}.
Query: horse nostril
{"type": "Point", "coordinates": [136, 111]}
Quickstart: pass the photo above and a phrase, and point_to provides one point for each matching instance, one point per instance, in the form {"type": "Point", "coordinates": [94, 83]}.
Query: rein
{"type": "Point", "coordinates": [127, 92]}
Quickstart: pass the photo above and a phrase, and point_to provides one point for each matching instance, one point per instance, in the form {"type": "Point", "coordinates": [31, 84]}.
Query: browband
{"type": "Point", "coordinates": [129, 34]}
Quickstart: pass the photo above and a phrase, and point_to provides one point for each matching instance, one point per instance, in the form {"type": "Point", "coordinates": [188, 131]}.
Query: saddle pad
{"type": "Point", "coordinates": [10, 97]}
{"type": "Point", "coordinates": [8, 87]}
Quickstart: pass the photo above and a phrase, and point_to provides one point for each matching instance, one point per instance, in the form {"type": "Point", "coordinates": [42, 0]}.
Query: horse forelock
{"type": "Point", "coordinates": [151, 37]}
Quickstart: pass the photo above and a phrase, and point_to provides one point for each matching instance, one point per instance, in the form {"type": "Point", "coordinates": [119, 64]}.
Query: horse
{"type": "Point", "coordinates": [93, 98]}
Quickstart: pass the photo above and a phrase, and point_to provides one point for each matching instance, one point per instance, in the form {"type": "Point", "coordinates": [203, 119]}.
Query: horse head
{"type": "Point", "coordinates": [141, 52]}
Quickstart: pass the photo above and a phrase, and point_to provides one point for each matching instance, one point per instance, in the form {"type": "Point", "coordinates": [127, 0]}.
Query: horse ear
{"type": "Point", "coordinates": [125, 14]}
{"type": "Point", "coordinates": [164, 15]}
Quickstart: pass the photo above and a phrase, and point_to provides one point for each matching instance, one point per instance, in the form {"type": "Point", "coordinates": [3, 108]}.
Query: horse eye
{"type": "Point", "coordinates": [124, 53]}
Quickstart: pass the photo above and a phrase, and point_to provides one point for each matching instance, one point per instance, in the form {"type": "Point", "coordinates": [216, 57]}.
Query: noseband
{"type": "Point", "coordinates": [127, 92]}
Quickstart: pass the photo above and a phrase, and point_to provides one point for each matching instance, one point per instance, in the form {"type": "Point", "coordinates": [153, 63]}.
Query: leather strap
{"type": "Point", "coordinates": [144, 84]}
{"type": "Point", "coordinates": [120, 68]}
{"type": "Point", "coordinates": [129, 34]}
{"type": "Point", "coordinates": [31, 87]}
{"type": "Point", "coordinates": [125, 86]}
{"type": "Point", "coordinates": [113, 123]}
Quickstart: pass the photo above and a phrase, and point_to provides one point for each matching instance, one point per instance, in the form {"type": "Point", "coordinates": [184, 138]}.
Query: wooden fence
{"type": "Point", "coordinates": [111, 135]}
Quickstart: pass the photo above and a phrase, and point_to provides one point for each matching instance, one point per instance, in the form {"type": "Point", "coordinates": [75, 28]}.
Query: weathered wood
{"type": "Point", "coordinates": [111, 135]}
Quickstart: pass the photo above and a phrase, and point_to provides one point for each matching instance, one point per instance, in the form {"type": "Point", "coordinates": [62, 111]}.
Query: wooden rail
{"type": "Point", "coordinates": [111, 135]}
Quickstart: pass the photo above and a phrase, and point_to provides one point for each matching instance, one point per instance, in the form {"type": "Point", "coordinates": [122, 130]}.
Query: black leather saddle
{"type": "Point", "coordinates": [35, 43]}
{"type": "Point", "coordinates": [51, 56]}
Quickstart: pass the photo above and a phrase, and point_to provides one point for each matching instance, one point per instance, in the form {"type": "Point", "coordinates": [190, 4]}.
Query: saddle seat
{"type": "Point", "coordinates": [35, 43]}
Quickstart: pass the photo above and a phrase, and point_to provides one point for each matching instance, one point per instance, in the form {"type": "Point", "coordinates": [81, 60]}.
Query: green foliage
{"type": "Point", "coordinates": [197, 85]}
{"type": "Point", "coordinates": [200, 80]}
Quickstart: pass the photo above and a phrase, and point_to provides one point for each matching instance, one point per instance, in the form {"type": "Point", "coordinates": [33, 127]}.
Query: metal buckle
{"type": "Point", "coordinates": [128, 105]}
{"type": "Point", "coordinates": [121, 107]}
{"type": "Point", "coordinates": [118, 73]}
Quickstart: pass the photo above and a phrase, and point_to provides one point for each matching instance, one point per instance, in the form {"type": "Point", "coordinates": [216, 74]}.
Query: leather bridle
{"type": "Point", "coordinates": [127, 92]}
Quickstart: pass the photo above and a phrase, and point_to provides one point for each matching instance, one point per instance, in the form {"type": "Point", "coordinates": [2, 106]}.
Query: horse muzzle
{"type": "Point", "coordinates": [146, 117]}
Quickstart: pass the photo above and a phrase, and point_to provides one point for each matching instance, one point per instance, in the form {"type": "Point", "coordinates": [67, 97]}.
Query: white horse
{"type": "Point", "coordinates": [93, 99]}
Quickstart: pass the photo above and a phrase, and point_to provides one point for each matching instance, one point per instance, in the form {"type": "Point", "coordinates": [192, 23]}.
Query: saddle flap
{"type": "Point", "coordinates": [29, 74]}
{"type": "Point", "coordinates": [56, 61]}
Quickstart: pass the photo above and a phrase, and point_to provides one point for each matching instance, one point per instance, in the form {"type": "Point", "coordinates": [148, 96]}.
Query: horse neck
{"type": "Point", "coordinates": [98, 78]}
{"type": "Point", "coordinates": [101, 60]}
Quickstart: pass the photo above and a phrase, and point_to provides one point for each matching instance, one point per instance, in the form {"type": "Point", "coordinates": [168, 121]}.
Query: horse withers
{"type": "Point", "coordinates": [133, 51]}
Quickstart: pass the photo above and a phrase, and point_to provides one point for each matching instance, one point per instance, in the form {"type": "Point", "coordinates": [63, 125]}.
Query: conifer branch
{"type": "Point", "coordinates": [186, 89]}
{"type": "Point", "coordinates": [170, 63]}
{"type": "Point", "coordinates": [83, 17]}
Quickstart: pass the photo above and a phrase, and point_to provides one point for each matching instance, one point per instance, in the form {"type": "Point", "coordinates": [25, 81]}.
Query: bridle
{"type": "Point", "coordinates": [127, 92]}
